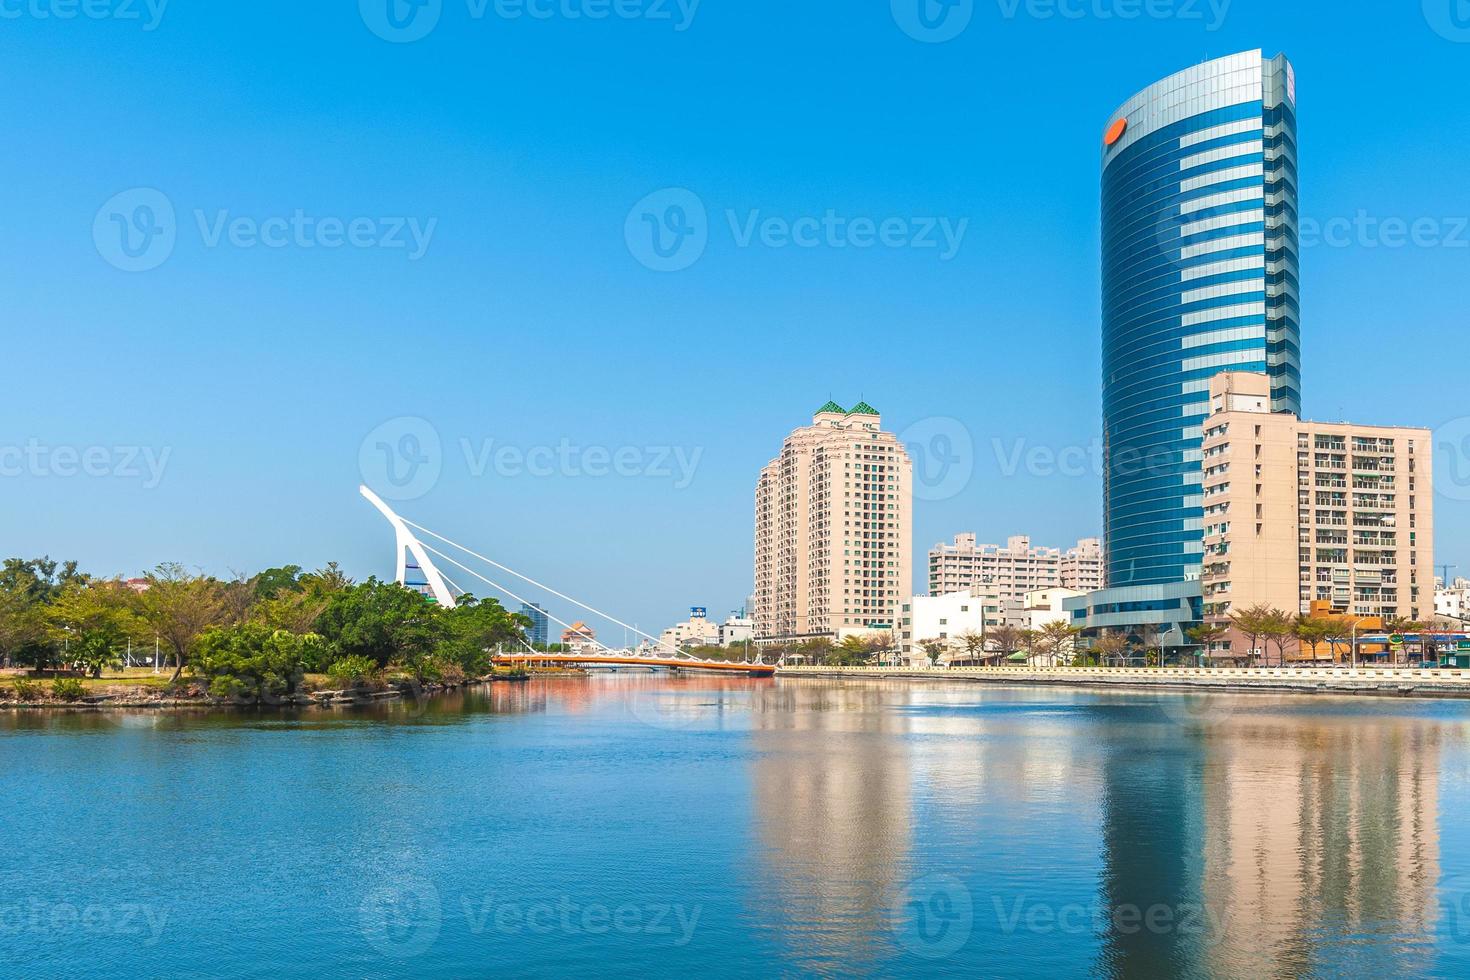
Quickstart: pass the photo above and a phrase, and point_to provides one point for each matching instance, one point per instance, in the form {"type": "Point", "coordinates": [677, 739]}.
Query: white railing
{"type": "Point", "coordinates": [1448, 675]}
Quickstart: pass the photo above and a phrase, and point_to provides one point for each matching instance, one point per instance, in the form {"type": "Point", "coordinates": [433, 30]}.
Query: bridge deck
{"type": "Point", "coordinates": [763, 670]}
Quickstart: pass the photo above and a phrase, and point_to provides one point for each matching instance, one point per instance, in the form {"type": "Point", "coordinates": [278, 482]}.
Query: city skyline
{"type": "Point", "coordinates": [205, 372]}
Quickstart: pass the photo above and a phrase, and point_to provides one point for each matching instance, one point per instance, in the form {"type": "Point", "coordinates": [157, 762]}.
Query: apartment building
{"type": "Point", "coordinates": [833, 529]}
{"type": "Point", "coordinates": [1015, 569]}
{"type": "Point", "coordinates": [1299, 512]}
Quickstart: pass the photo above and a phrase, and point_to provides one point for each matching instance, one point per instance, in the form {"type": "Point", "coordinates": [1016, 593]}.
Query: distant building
{"type": "Point", "coordinates": [833, 533]}
{"type": "Point", "coordinates": [139, 585]}
{"type": "Point", "coordinates": [1453, 601]}
{"type": "Point", "coordinates": [697, 631]}
{"type": "Point", "coordinates": [1015, 568]}
{"type": "Point", "coordinates": [737, 629]}
{"type": "Point", "coordinates": [578, 637]}
{"type": "Point", "coordinates": [1043, 607]}
{"type": "Point", "coordinates": [540, 632]}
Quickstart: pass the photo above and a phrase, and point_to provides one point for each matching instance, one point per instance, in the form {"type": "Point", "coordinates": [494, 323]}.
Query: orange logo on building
{"type": "Point", "coordinates": [1115, 132]}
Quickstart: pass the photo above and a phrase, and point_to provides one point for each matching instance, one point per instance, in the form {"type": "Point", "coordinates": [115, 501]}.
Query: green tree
{"type": "Point", "coordinates": [273, 581]}
{"type": "Point", "coordinates": [180, 606]}
{"type": "Point", "coordinates": [384, 622]}
{"type": "Point", "coordinates": [934, 650]}
{"type": "Point", "coordinates": [476, 627]}
{"type": "Point", "coordinates": [252, 660]}
{"type": "Point", "coordinates": [94, 623]}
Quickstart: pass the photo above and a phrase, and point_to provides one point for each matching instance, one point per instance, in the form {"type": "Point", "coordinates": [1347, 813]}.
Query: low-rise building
{"type": "Point", "coordinates": [738, 629]}
{"type": "Point", "coordinates": [579, 637]}
{"type": "Point", "coordinates": [949, 619]}
{"type": "Point", "coordinates": [1453, 601]}
{"type": "Point", "coordinates": [697, 631]}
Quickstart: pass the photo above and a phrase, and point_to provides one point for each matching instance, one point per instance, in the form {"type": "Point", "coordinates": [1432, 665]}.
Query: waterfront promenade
{"type": "Point", "coordinates": [1382, 681]}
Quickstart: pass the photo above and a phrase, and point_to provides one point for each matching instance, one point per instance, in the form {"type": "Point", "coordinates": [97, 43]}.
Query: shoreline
{"type": "Point", "coordinates": [1362, 682]}
{"type": "Point", "coordinates": [135, 700]}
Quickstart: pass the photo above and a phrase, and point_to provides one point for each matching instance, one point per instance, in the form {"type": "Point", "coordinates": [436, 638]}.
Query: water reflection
{"type": "Point", "coordinates": [823, 828]}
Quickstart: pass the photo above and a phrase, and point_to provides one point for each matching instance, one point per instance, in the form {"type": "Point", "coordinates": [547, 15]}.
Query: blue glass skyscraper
{"type": "Point", "coordinates": [1199, 275]}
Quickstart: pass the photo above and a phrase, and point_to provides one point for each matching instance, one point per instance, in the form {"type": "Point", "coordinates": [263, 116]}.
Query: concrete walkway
{"type": "Point", "coordinates": [1383, 681]}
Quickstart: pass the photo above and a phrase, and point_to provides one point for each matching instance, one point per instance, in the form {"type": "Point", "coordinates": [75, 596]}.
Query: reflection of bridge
{"type": "Point", "coordinates": [633, 660]}
{"type": "Point", "coordinates": [413, 553]}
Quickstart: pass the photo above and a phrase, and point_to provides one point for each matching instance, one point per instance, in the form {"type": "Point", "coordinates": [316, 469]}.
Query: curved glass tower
{"type": "Point", "coordinates": [1199, 275]}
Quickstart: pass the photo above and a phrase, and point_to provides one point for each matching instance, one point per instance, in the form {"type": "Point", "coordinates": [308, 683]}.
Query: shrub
{"type": "Point", "coordinates": [351, 670]}
{"type": "Point", "coordinates": [27, 690]}
{"type": "Point", "coordinates": [68, 689]}
{"type": "Point", "coordinates": [251, 659]}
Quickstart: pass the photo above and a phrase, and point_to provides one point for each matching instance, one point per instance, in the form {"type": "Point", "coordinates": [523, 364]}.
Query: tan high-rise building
{"type": "Point", "coordinates": [1297, 513]}
{"type": "Point", "coordinates": [1015, 569]}
{"type": "Point", "coordinates": [833, 529]}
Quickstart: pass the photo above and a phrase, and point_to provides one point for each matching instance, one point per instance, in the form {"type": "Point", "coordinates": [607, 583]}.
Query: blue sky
{"type": "Point", "coordinates": [261, 379]}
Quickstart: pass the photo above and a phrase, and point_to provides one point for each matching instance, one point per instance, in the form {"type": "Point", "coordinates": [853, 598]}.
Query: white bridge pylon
{"type": "Point", "coordinates": [407, 544]}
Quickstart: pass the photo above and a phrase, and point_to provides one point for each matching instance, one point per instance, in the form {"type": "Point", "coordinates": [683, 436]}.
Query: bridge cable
{"type": "Point", "coordinates": [539, 585]}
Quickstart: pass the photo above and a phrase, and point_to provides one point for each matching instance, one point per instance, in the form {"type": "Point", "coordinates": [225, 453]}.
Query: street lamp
{"type": "Point", "coordinates": [1354, 650]}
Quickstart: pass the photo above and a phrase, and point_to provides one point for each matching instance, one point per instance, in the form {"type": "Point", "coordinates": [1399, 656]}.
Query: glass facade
{"type": "Point", "coordinates": [1199, 276]}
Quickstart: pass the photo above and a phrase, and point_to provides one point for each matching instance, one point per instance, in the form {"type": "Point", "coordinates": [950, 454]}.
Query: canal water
{"type": "Point", "coordinates": [636, 825]}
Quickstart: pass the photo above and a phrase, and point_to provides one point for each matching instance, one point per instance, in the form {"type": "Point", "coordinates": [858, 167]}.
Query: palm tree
{"type": "Point", "coordinates": [1007, 639]}
{"type": "Point", "coordinates": [974, 644]}
{"type": "Point", "coordinates": [1056, 638]}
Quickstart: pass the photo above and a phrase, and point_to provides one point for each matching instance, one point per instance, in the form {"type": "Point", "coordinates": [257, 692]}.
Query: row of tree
{"type": "Point", "coordinates": [251, 634]}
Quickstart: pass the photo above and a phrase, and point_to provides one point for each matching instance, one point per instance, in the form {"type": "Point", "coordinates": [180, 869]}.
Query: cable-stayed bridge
{"type": "Point", "coordinates": [414, 555]}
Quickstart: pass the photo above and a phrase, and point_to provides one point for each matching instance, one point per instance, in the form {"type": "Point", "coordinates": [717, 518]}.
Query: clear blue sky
{"type": "Point", "coordinates": [528, 320]}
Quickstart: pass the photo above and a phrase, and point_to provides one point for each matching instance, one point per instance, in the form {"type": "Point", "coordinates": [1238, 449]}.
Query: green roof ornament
{"type": "Point", "coordinates": [832, 407]}
{"type": "Point", "coordinates": [863, 408]}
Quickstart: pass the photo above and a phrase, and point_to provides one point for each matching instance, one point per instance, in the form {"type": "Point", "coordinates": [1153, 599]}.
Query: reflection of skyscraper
{"type": "Point", "coordinates": [1266, 837]}
{"type": "Point", "coordinates": [1332, 820]}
